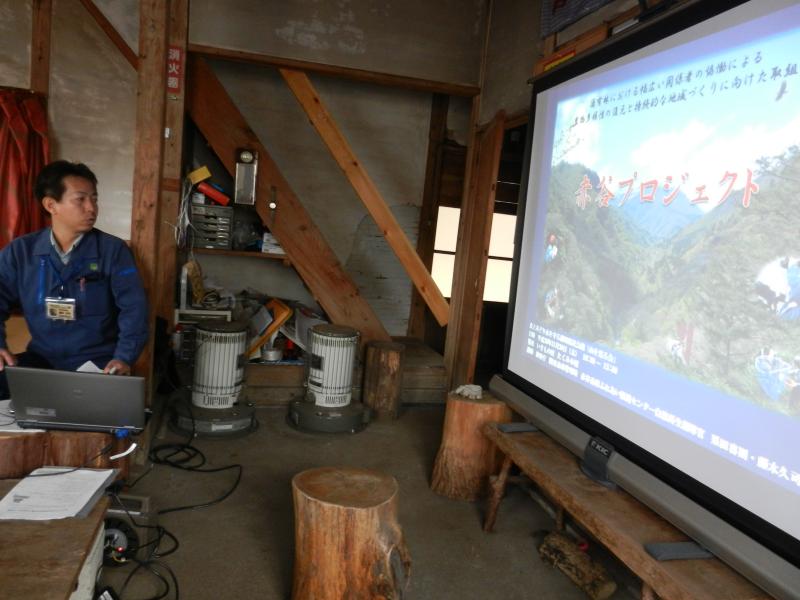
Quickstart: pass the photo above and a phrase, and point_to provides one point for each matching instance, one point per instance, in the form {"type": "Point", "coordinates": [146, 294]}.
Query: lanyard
{"type": "Point", "coordinates": [43, 267]}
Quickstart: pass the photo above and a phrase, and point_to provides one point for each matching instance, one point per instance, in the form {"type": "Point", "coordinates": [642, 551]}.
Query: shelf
{"type": "Point", "coordinates": [247, 253]}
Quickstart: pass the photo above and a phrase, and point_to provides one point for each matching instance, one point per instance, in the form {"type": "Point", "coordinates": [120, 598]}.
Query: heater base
{"type": "Point", "coordinates": [307, 416]}
{"type": "Point", "coordinates": [217, 422]}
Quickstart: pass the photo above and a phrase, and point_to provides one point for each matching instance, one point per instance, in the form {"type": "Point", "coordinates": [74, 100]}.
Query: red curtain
{"type": "Point", "coordinates": [24, 150]}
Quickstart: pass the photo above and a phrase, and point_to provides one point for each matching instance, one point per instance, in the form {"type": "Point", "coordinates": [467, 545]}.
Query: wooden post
{"type": "Point", "coordinates": [466, 457]}
{"type": "Point", "coordinates": [40, 46]}
{"type": "Point", "coordinates": [469, 271]}
{"type": "Point", "coordinates": [148, 150]}
{"type": "Point", "coordinates": [21, 453]}
{"type": "Point", "coordinates": [429, 212]}
{"type": "Point", "coordinates": [560, 551]}
{"type": "Point", "coordinates": [383, 377]}
{"type": "Point", "coordinates": [348, 543]}
{"type": "Point", "coordinates": [166, 267]}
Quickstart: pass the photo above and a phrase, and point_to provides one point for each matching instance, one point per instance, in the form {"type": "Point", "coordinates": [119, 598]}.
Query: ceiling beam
{"type": "Point", "coordinates": [387, 79]}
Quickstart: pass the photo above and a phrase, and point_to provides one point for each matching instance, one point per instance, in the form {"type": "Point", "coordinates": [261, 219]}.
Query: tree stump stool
{"type": "Point", "coordinates": [383, 377]}
{"type": "Point", "coordinates": [466, 458]}
{"type": "Point", "coordinates": [348, 543]}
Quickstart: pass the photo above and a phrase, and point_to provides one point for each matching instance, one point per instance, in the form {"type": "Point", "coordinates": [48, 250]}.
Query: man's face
{"type": "Point", "coordinates": [77, 210]}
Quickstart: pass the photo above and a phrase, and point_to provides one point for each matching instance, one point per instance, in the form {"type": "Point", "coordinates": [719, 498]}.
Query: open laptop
{"type": "Point", "coordinates": [50, 399]}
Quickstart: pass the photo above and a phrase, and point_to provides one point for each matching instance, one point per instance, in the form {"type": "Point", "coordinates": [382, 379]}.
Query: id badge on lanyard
{"type": "Point", "coordinates": [60, 309]}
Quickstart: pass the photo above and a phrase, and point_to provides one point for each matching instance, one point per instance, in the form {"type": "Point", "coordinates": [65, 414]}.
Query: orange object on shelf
{"type": "Point", "coordinates": [280, 314]}
{"type": "Point", "coordinates": [213, 193]}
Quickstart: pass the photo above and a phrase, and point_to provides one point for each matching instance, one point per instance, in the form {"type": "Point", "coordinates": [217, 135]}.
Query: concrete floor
{"type": "Point", "coordinates": [243, 547]}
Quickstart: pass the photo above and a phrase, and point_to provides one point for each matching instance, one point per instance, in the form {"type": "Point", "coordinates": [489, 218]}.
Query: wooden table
{"type": "Point", "coordinates": [42, 559]}
{"type": "Point", "coordinates": [616, 519]}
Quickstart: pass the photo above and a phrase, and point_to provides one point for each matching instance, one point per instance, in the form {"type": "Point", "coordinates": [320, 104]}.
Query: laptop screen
{"type": "Point", "coordinates": [51, 399]}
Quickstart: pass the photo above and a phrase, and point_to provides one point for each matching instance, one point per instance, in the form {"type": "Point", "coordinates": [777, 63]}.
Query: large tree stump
{"type": "Point", "coordinates": [560, 551]}
{"type": "Point", "coordinates": [21, 453]}
{"type": "Point", "coordinates": [466, 457]}
{"type": "Point", "coordinates": [383, 376]}
{"type": "Point", "coordinates": [83, 448]}
{"type": "Point", "coordinates": [348, 543]}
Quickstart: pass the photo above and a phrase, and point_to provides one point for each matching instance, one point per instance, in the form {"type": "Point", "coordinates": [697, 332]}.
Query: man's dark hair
{"type": "Point", "coordinates": [50, 181]}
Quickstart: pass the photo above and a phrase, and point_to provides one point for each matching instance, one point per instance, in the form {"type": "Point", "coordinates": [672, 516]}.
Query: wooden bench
{"type": "Point", "coordinates": [43, 559]}
{"type": "Point", "coordinates": [616, 519]}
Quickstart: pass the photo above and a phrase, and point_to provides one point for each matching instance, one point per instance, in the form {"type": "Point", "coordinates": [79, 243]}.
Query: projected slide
{"type": "Point", "coordinates": [662, 263]}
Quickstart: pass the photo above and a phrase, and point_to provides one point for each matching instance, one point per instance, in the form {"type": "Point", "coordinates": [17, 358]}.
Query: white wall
{"type": "Point", "coordinates": [15, 43]}
{"type": "Point", "coordinates": [434, 39]}
{"type": "Point", "coordinates": [93, 109]}
{"type": "Point", "coordinates": [514, 47]}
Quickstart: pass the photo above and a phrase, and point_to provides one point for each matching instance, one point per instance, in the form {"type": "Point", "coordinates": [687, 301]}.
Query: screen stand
{"type": "Point", "coordinates": [676, 550]}
{"type": "Point", "coordinates": [595, 461]}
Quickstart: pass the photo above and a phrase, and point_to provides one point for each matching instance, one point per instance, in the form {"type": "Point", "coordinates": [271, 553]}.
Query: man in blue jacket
{"type": "Point", "coordinates": [77, 286]}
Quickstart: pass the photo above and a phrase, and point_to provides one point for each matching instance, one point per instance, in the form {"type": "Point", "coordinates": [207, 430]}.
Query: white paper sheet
{"type": "Point", "coordinates": [89, 367]}
{"type": "Point", "coordinates": [55, 496]}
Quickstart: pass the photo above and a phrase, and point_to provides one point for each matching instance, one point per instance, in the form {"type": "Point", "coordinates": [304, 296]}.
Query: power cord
{"type": "Point", "coordinates": [151, 562]}
{"type": "Point", "coordinates": [186, 457]}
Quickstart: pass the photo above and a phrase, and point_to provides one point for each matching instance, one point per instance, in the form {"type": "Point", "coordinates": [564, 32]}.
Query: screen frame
{"type": "Point", "coordinates": [635, 38]}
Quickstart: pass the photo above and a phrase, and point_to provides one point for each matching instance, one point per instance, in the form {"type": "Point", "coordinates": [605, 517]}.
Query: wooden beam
{"type": "Point", "coordinates": [226, 130]}
{"type": "Point", "coordinates": [166, 270]}
{"type": "Point", "coordinates": [387, 79]}
{"type": "Point", "coordinates": [474, 232]}
{"type": "Point", "coordinates": [148, 152]}
{"type": "Point", "coordinates": [112, 33]}
{"type": "Point", "coordinates": [358, 177]}
{"type": "Point", "coordinates": [40, 46]}
{"type": "Point", "coordinates": [430, 207]}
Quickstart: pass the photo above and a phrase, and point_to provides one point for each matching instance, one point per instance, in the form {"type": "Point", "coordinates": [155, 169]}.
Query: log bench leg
{"type": "Point", "coordinates": [498, 488]}
{"type": "Point", "coordinates": [560, 518]}
{"type": "Point", "coordinates": [648, 593]}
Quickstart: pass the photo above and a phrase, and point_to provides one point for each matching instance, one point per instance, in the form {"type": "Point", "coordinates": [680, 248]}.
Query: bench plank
{"type": "Point", "coordinates": [620, 522]}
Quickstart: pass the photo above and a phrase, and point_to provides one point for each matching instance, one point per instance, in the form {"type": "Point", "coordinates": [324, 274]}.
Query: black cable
{"type": "Point", "coordinates": [186, 457]}
{"type": "Point", "coordinates": [142, 476]}
{"type": "Point", "coordinates": [149, 567]}
{"type": "Point", "coordinates": [150, 562]}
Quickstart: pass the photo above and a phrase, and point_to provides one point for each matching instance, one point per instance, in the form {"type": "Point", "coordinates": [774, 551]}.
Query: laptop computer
{"type": "Point", "coordinates": [50, 399]}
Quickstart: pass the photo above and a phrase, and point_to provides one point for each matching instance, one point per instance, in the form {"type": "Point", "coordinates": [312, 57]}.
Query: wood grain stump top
{"type": "Point", "coordinates": [348, 487]}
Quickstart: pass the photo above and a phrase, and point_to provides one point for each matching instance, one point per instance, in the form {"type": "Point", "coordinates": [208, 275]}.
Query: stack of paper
{"type": "Point", "coordinates": [46, 495]}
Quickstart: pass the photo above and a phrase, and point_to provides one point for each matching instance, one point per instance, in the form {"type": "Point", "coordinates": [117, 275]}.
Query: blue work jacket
{"type": "Point", "coordinates": [111, 306]}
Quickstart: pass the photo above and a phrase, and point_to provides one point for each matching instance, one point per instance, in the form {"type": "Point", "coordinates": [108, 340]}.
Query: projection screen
{"type": "Point", "coordinates": [657, 276]}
